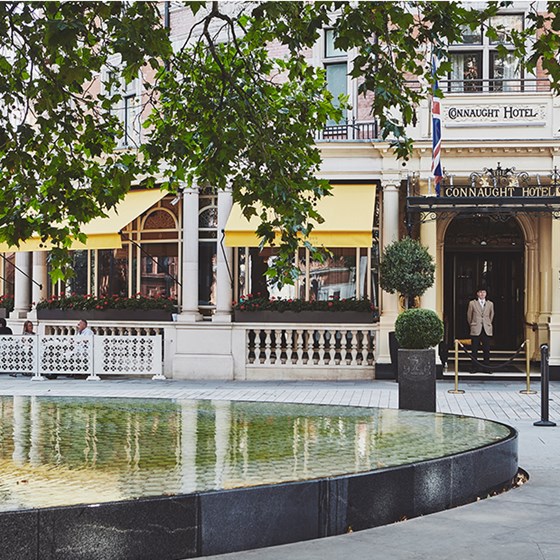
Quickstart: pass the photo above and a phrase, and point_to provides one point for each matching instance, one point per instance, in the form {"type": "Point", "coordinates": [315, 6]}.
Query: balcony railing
{"type": "Point", "coordinates": [496, 85]}
{"type": "Point", "coordinates": [349, 130]}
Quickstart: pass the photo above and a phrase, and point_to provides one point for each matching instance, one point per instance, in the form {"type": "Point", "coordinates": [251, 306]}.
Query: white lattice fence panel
{"type": "Point", "coordinates": [65, 355]}
{"type": "Point", "coordinates": [128, 355]}
{"type": "Point", "coordinates": [18, 354]}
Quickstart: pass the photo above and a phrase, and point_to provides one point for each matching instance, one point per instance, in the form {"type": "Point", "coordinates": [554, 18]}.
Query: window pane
{"type": "Point", "coordinates": [160, 265]}
{"type": "Point", "coordinates": [208, 218]}
{"type": "Point", "coordinates": [112, 269]}
{"type": "Point", "coordinates": [260, 286]}
{"type": "Point", "coordinates": [330, 50]}
{"type": "Point", "coordinates": [505, 72]}
{"type": "Point", "coordinates": [466, 72]}
{"type": "Point", "coordinates": [337, 82]}
{"type": "Point", "coordinates": [9, 274]}
{"type": "Point", "coordinates": [471, 36]}
{"type": "Point", "coordinates": [207, 273]}
{"type": "Point", "coordinates": [78, 284]}
{"type": "Point", "coordinates": [334, 278]}
{"type": "Point", "coordinates": [506, 23]}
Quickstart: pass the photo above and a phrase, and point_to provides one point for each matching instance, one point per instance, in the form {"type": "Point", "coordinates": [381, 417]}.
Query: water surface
{"type": "Point", "coordinates": [64, 451]}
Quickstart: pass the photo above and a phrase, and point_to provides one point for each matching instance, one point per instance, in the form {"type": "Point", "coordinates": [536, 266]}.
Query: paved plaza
{"type": "Point", "coordinates": [522, 524]}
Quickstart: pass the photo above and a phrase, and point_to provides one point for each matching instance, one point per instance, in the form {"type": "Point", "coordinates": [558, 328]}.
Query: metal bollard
{"type": "Point", "coordinates": [544, 421]}
{"type": "Point", "coordinates": [456, 391]}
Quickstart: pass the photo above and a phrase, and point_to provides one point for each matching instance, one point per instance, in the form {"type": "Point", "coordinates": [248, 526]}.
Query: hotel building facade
{"type": "Point", "coordinates": [496, 223]}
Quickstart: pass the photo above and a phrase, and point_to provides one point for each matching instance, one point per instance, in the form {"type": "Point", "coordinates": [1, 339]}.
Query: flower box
{"type": "Point", "coordinates": [269, 316]}
{"type": "Point", "coordinates": [138, 315]}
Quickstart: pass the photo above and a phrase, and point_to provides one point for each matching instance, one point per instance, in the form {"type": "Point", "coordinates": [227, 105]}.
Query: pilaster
{"type": "Point", "coordinates": [189, 307]}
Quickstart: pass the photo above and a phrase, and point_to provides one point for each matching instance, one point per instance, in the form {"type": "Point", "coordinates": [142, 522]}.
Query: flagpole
{"type": "Point", "coordinates": [436, 131]}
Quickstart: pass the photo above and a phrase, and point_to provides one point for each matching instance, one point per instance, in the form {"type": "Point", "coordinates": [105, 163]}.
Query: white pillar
{"type": "Point", "coordinates": [224, 262]}
{"type": "Point", "coordinates": [428, 238]}
{"type": "Point", "coordinates": [389, 302]}
{"type": "Point", "coordinates": [189, 308]}
{"type": "Point", "coordinates": [545, 276]}
{"type": "Point", "coordinates": [39, 274]}
{"type": "Point", "coordinates": [555, 299]}
{"type": "Point", "coordinates": [22, 291]}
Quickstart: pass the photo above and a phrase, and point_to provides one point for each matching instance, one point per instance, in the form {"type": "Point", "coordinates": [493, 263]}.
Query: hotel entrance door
{"type": "Point", "coordinates": [502, 275]}
{"type": "Point", "coordinates": [494, 262]}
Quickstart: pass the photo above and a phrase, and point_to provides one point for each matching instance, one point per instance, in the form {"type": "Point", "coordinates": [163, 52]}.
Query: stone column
{"type": "Point", "coordinates": [545, 277]}
{"type": "Point", "coordinates": [224, 262]}
{"type": "Point", "coordinates": [39, 274]}
{"type": "Point", "coordinates": [22, 288]}
{"type": "Point", "coordinates": [532, 296]}
{"type": "Point", "coordinates": [555, 301]}
{"type": "Point", "coordinates": [389, 302]}
{"type": "Point", "coordinates": [189, 308]}
{"type": "Point", "coordinates": [428, 238]}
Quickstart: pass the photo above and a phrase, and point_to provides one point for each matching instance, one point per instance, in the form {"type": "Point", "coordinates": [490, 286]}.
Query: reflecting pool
{"type": "Point", "coordinates": [65, 451]}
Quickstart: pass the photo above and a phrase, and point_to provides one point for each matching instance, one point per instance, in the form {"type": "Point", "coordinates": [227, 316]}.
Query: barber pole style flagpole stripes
{"type": "Point", "coordinates": [436, 133]}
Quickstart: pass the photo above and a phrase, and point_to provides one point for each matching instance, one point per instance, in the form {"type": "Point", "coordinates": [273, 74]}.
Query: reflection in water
{"type": "Point", "coordinates": [64, 451]}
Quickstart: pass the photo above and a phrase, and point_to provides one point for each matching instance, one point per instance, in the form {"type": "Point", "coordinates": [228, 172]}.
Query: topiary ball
{"type": "Point", "coordinates": [418, 328]}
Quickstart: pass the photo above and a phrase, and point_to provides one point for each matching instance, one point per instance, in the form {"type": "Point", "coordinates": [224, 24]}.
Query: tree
{"type": "Point", "coordinates": [222, 112]}
{"type": "Point", "coordinates": [407, 268]}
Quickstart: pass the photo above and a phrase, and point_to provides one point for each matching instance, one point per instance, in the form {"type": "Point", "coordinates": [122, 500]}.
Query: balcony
{"type": "Point", "coordinates": [495, 85]}
{"type": "Point", "coordinates": [349, 130]}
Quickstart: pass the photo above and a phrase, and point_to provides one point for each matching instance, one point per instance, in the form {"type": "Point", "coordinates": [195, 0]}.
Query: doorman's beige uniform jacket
{"type": "Point", "coordinates": [479, 316]}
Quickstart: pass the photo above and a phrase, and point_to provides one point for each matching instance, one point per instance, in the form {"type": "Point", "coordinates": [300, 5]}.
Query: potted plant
{"type": "Point", "coordinates": [417, 331]}
{"type": "Point", "coordinates": [6, 305]}
{"type": "Point", "coordinates": [406, 268]}
{"type": "Point", "coordinates": [257, 309]}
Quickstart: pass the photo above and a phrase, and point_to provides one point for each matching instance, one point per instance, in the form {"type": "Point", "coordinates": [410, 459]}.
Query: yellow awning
{"type": "Point", "coordinates": [348, 215]}
{"type": "Point", "coordinates": [102, 232]}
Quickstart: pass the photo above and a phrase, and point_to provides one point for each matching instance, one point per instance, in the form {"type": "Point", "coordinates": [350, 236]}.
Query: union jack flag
{"type": "Point", "coordinates": [436, 133]}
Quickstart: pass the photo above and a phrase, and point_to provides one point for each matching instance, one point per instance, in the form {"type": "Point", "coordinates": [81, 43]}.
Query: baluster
{"type": "Point", "coordinates": [370, 348]}
{"type": "Point", "coordinates": [276, 355]}
{"type": "Point", "coordinates": [320, 346]}
{"type": "Point", "coordinates": [338, 347]}
{"type": "Point", "coordinates": [354, 348]}
{"type": "Point", "coordinates": [299, 335]}
{"type": "Point", "coordinates": [267, 346]}
{"type": "Point", "coordinates": [249, 348]}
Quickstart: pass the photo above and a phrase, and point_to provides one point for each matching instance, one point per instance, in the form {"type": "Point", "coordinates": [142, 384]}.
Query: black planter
{"type": "Point", "coordinates": [303, 316]}
{"type": "Point", "coordinates": [138, 315]}
{"type": "Point", "coordinates": [417, 379]}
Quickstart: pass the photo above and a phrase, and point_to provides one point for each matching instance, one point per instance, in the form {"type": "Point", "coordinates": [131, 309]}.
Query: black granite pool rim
{"type": "Point", "coordinates": [201, 524]}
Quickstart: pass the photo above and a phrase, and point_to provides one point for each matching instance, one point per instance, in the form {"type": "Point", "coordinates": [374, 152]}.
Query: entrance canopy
{"type": "Point", "coordinates": [348, 215]}
{"type": "Point", "coordinates": [492, 191]}
{"type": "Point", "coordinates": [102, 232]}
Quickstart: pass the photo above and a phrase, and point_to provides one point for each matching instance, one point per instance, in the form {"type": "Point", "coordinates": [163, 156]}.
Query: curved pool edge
{"type": "Point", "coordinates": [217, 522]}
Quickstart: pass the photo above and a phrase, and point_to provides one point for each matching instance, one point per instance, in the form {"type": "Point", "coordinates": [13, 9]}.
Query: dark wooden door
{"type": "Point", "coordinates": [501, 273]}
